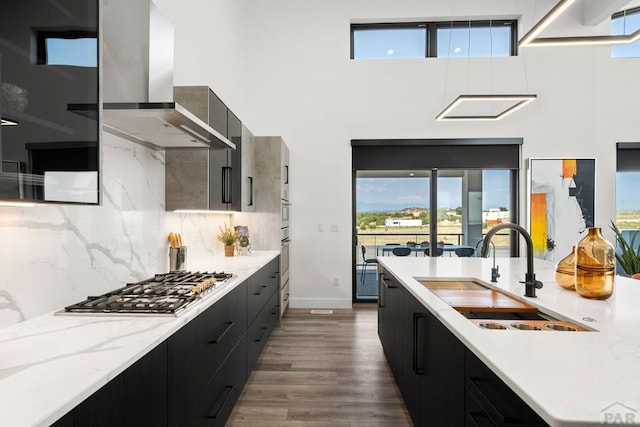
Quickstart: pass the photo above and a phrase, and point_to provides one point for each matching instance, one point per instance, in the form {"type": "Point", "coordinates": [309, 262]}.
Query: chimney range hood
{"type": "Point", "coordinates": [137, 81]}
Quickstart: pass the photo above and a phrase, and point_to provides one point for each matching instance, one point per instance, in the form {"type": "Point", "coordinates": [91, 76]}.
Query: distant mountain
{"type": "Point", "coordinates": [384, 207]}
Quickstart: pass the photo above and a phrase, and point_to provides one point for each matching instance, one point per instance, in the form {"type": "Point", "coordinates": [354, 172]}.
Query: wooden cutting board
{"type": "Point", "coordinates": [483, 300]}
{"type": "Point", "coordinates": [451, 284]}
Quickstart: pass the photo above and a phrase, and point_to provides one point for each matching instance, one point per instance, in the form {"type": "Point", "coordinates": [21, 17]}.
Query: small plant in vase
{"type": "Point", "coordinates": [229, 237]}
{"type": "Point", "coordinates": [629, 256]}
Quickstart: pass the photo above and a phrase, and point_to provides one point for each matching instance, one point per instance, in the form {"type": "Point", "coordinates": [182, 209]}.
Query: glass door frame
{"type": "Point", "coordinates": [514, 184]}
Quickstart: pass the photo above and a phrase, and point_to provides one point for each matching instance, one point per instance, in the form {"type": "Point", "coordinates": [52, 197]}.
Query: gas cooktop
{"type": "Point", "coordinates": [163, 294]}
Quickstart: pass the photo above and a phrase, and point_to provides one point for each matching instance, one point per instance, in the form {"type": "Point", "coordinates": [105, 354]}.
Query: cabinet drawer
{"type": "Point", "coordinates": [214, 404]}
{"type": "Point", "coordinates": [260, 286]}
{"type": "Point", "coordinates": [284, 298]}
{"type": "Point", "coordinates": [489, 401]}
{"type": "Point", "coordinates": [121, 401]}
{"type": "Point", "coordinates": [198, 349]}
{"type": "Point", "coordinates": [274, 267]}
{"type": "Point", "coordinates": [260, 330]}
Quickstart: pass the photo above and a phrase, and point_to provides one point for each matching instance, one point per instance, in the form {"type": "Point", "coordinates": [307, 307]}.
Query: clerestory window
{"type": "Point", "coordinates": [624, 23]}
{"type": "Point", "coordinates": [451, 39]}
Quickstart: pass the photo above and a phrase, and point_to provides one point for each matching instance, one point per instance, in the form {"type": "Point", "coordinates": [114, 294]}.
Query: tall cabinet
{"type": "Point", "coordinates": [273, 200]}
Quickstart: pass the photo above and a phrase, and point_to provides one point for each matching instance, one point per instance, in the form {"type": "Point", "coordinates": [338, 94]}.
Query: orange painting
{"type": "Point", "coordinates": [569, 168]}
{"type": "Point", "coordinates": [539, 222]}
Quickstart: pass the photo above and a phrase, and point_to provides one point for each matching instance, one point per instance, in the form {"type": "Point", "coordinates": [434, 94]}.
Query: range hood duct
{"type": "Point", "coordinates": [137, 78]}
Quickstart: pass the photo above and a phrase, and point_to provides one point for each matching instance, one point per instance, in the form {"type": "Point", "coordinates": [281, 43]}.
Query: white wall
{"type": "Point", "coordinates": [283, 66]}
{"type": "Point", "coordinates": [57, 255]}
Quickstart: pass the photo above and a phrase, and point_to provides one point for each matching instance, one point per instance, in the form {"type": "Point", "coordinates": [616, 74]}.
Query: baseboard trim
{"type": "Point", "coordinates": [319, 303]}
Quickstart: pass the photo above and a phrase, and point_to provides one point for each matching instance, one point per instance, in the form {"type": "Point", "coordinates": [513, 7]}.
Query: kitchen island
{"type": "Point", "coordinates": [52, 363]}
{"type": "Point", "coordinates": [566, 378]}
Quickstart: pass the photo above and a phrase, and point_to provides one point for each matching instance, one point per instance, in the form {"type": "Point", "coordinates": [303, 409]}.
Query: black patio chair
{"type": "Point", "coordinates": [401, 251]}
{"type": "Point", "coordinates": [465, 252]}
{"type": "Point", "coordinates": [367, 261]}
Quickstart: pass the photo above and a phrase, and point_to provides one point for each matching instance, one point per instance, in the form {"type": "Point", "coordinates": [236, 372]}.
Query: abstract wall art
{"type": "Point", "coordinates": [561, 204]}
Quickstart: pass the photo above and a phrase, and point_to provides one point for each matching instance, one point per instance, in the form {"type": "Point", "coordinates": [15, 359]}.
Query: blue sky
{"type": "Point", "coordinates": [397, 193]}
{"type": "Point", "coordinates": [627, 194]}
{"type": "Point", "coordinates": [82, 52]}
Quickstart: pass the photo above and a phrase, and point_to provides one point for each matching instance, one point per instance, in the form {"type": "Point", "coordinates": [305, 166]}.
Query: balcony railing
{"type": "Point", "coordinates": [372, 242]}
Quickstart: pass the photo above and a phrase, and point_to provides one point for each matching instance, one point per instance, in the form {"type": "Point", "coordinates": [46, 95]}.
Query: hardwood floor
{"type": "Point", "coordinates": [322, 370]}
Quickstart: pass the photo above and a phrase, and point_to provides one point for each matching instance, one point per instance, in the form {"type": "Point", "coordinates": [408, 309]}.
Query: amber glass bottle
{"type": "Point", "coordinates": [595, 266]}
{"type": "Point", "coordinates": [566, 271]}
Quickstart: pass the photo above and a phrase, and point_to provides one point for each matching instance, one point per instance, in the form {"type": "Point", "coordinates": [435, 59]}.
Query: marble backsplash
{"type": "Point", "coordinates": [55, 255]}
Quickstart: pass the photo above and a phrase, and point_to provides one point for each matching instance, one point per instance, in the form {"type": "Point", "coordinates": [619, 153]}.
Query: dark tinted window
{"type": "Point", "coordinates": [68, 48]}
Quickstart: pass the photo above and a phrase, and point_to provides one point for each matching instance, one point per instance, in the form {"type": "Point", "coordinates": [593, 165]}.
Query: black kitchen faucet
{"type": "Point", "coordinates": [530, 282]}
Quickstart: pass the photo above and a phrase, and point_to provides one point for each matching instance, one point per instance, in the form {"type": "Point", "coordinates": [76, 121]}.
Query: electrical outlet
{"type": "Point", "coordinates": [320, 228]}
{"type": "Point", "coordinates": [335, 228]}
{"type": "Point", "coordinates": [336, 281]}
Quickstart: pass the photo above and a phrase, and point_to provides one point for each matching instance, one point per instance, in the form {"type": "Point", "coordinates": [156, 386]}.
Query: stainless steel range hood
{"type": "Point", "coordinates": [137, 78]}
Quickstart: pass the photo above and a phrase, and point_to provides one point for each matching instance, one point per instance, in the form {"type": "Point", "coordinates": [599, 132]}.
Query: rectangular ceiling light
{"type": "Point", "coordinates": [532, 39]}
{"type": "Point", "coordinates": [519, 101]}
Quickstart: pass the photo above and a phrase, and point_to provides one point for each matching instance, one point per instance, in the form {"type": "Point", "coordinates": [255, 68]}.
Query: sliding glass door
{"type": "Point", "coordinates": [435, 197]}
{"type": "Point", "coordinates": [392, 209]}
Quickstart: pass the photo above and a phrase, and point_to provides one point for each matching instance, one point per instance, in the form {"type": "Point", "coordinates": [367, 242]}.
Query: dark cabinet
{"type": "Point", "coordinates": [234, 198]}
{"type": "Point", "coordinates": [431, 365]}
{"type": "Point", "coordinates": [386, 292]}
{"type": "Point", "coordinates": [261, 329]}
{"type": "Point", "coordinates": [490, 402]}
{"type": "Point", "coordinates": [225, 166]}
{"type": "Point", "coordinates": [389, 321]}
{"type": "Point", "coordinates": [197, 351]}
{"type": "Point", "coordinates": [214, 404]}
{"type": "Point", "coordinates": [260, 287]}
{"type": "Point", "coordinates": [49, 61]}
{"type": "Point", "coordinates": [209, 179]}
{"type": "Point", "coordinates": [263, 310]}
{"type": "Point", "coordinates": [135, 398]}
{"type": "Point", "coordinates": [194, 377]}
{"type": "Point", "coordinates": [68, 420]}
{"type": "Point", "coordinates": [410, 316]}
{"type": "Point", "coordinates": [441, 381]}
{"type": "Point", "coordinates": [440, 361]}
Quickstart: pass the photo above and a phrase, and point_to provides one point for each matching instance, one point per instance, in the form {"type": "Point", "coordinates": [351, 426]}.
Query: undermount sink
{"type": "Point", "coordinates": [530, 325]}
{"type": "Point", "coordinates": [494, 309]}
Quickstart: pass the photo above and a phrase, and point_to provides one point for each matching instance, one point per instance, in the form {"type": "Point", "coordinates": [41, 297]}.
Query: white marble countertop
{"type": "Point", "coordinates": [568, 378]}
{"type": "Point", "coordinates": [50, 364]}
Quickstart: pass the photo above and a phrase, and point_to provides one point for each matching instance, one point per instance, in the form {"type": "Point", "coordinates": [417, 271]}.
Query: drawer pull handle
{"type": "Point", "coordinates": [489, 408]}
{"type": "Point", "coordinates": [286, 298]}
{"type": "Point", "coordinates": [224, 332]}
{"type": "Point", "coordinates": [221, 402]}
{"type": "Point", "coordinates": [477, 419]}
{"type": "Point", "coordinates": [417, 344]}
{"type": "Point", "coordinates": [262, 288]}
{"type": "Point", "coordinates": [390, 285]}
{"type": "Point", "coordinates": [276, 309]}
{"type": "Point", "coordinates": [263, 331]}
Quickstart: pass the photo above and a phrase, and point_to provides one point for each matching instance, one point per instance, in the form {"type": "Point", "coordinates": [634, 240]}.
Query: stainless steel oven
{"type": "Point", "coordinates": [284, 256]}
{"type": "Point", "coordinates": [285, 213]}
